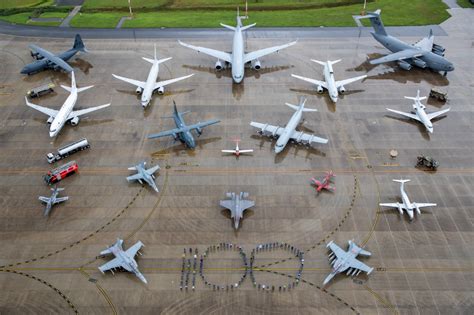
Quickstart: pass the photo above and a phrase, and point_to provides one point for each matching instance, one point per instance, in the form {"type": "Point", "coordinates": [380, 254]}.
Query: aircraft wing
{"type": "Point", "coordinates": [201, 125]}
{"type": "Point", "coordinates": [44, 110]}
{"type": "Point", "coordinates": [266, 51]}
{"type": "Point", "coordinates": [132, 251]}
{"type": "Point", "coordinates": [404, 54]}
{"type": "Point", "coordinates": [438, 113]}
{"type": "Point", "coordinates": [43, 199]}
{"type": "Point", "coordinates": [211, 52]}
{"type": "Point", "coordinates": [131, 81]}
{"type": "Point", "coordinates": [152, 170]}
{"type": "Point", "coordinates": [347, 81]}
{"type": "Point", "coordinates": [392, 205]}
{"type": "Point", "coordinates": [227, 204]}
{"type": "Point", "coordinates": [245, 204]}
{"type": "Point", "coordinates": [300, 136]}
{"type": "Point", "coordinates": [229, 151]}
{"type": "Point", "coordinates": [336, 249]}
{"type": "Point", "coordinates": [171, 132]}
{"type": "Point", "coordinates": [134, 177]}
{"type": "Point", "coordinates": [269, 129]}
{"type": "Point", "coordinates": [245, 151]}
{"type": "Point", "coordinates": [426, 43]}
{"type": "Point", "coordinates": [312, 81]}
{"type": "Point", "coordinates": [62, 199]}
{"type": "Point", "coordinates": [114, 263]}
{"type": "Point", "coordinates": [356, 264]}
{"type": "Point", "coordinates": [421, 205]}
{"type": "Point", "coordinates": [412, 116]}
{"type": "Point", "coordinates": [164, 83]}
{"type": "Point", "coordinates": [51, 58]}
{"type": "Point", "coordinates": [77, 113]}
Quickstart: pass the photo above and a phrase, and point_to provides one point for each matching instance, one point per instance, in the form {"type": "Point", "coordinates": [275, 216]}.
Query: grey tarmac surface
{"type": "Point", "coordinates": [49, 265]}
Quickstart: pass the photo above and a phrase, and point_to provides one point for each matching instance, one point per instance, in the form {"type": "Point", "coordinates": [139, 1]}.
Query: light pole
{"type": "Point", "coordinates": [130, 8]}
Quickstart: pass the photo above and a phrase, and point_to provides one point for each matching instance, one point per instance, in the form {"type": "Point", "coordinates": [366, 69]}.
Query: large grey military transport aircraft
{"type": "Point", "coordinates": [406, 204]}
{"type": "Point", "coordinates": [237, 204]}
{"type": "Point", "coordinates": [123, 259]}
{"type": "Point", "coordinates": [47, 60]}
{"type": "Point", "coordinates": [144, 174]}
{"type": "Point", "coordinates": [424, 54]}
{"type": "Point", "coordinates": [182, 132]}
{"type": "Point", "coordinates": [53, 200]}
{"type": "Point", "coordinates": [238, 59]}
{"type": "Point", "coordinates": [341, 260]}
{"type": "Point", "coordinates": [287, 133]}
{"type": "Point", "coordinates": [150, 86]}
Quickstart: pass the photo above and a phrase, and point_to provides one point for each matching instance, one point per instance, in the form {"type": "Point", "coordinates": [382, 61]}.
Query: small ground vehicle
{"type": "Point", "coordinates": [41, 90]}
{"type": "Point", "coordinates": [427, 161]}
{"type": "Point", "coordinates": [61, 172]}
{"type": "Point", "coordinates": [67, 150]}
{"type": "Point", "coordinates": [439, 95]}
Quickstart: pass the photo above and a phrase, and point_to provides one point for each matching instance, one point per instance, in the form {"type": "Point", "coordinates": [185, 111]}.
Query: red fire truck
{"type": "Point", "coordinates": [61, 172]}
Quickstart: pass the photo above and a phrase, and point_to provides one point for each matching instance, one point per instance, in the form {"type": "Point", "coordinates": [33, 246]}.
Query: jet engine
{"type": "Point", "coordinates": [139, 90]}
{"type": "Point", "coordinates": [256, 64]}
{"type": "Point", "coordinates": [342, 89]}
{"type": "Point", "coordinates": [175, 136]}
{"type": "Point", "coordinates": [439, 48]}
{"type": "Point", "coordinates": [161, 90]}
{"type": "Point", "coordinates": [417, 208]}
{"type": "Point", "coordinates": [75, 121]}
{"type": "Point", "coordinates": [419, 63]}
{"type": "Point", "coordinates": [218, 65]}
{"type": "Point", "coordinates": [404, 65]}
{"type": "Point", "coordinates": [199, 131]}
{"type": "Point", "coordinates": [50, 120]}
{"type": "Point", "coordinates": [400, 209]}
{"type": "Point", "coordinates": [440, 53]}
{"type": "Point", "coordinates": [320, 89]}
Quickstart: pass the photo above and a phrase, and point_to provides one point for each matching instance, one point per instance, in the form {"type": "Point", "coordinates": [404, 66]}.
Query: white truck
{"type": "Point", "coordinates": [67, 150]}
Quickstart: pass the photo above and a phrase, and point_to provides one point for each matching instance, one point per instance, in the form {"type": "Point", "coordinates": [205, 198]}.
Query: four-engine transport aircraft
{"type": "Point", "coordinates": [57, 118]}
{"type": "Point", "coordinates": [289, 132]}
{"type": "Point", "coordinates": [334, 87]}
{"type": "Point", "coordinates": [147, 88]}
{"type": "Point", "coordinates": [341, 260]}
{"type": "Point", "coordinates": [237, 204]}
{"type": "Point", "coordinates": [144, 174]}
{"type": "Point", "coordinates": [46, 59]}
{"type": "Point", "coordinates": [419, 113]}
{"type": "Point", "coordinates": [53, 200]}
{"type": "Point", "coordinates": [406, 204]}
{"type": "Point", "coordinates": [237, 59]}
{"type": "Point", "coordinates": [182, 132]}
{"type": "Point", "coordinates": [123, 259]}
{"type": "Point", "coordinates": [424, 54]}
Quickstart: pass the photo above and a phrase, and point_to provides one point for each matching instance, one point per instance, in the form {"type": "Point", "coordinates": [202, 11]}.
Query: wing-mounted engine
{"type": "Point", "coordinates": [50, 120]}
{"type": "Point", "coordinates": [342, 89]}
{"type": "Point", "coordinates": [419, 63]}
{"type": "Point", "coordinates": [256, 64]}
{"type": "Point", "coordinates": [218, 65]}
{"type": "Point", "coordinates": [74, 121]}
{"type": "Point", "coordinates": [404, 65]}
{"type": "Point", "coordinates": [175, 137]}
{"type": "Point", "coordinates": [36, 55]}
{"type": "Point", "coordinates": [418, 211]}
{"type": "Point", "coordinates": [160, 90]}
{"type": "Point", "coordinates": [139, 90]}
{"type": "Point", "coordinates": [199, 131]}
{"type": "Point", "coordinates": [320, 89]}
{"type": "Point", "coordinates": [438, 49]}
{"type": "Point", "coordinates": [400, 208]}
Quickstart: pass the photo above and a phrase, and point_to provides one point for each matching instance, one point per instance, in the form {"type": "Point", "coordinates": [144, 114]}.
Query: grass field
{"type": "Point", "coordinates": [93, 4]}
{"type": "Point", "coordinates": [7, 4]}
{"type": "Point", "coordinates": [96, 20]}
{"type": "Point", "coordinates": [465, 4]}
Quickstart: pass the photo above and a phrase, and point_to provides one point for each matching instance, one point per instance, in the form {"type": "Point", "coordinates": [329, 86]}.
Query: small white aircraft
{"type": "Point", "coordinates": [287, 133]}
{"type": "Point", "coordinates": [237, 150]}
{"type": "Point", "coordinates": [406, 204]}
{"type": "Point", "coordinates": [146, 89]}
{"type": "Point", "coordinates": [420, 113]}
{"type": "Point", "coordinates": [334, 87]}
{"type": "Point", "coordinates": [57, 118]}
{"type": "Point", "coordinates": [238, 58]}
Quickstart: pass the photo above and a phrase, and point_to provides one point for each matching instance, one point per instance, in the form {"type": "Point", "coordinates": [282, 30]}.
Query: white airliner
{"type": "Point", "coordinates": [406, 204]}
{"type": "Point", "coordinates": [238, 58]}
{"type": "Point", "coordinates": [57, 118]}
{"type": "Point", "coordinates": [284, 134]}
{"type": "Point", "coordinates": [237, 152]}
{"type": "Point", "coordinates": [420, 113]}
{"type": "Point", "coordinates": [334, 87]}
{"type": "Point", "coordinates": [147, 88]}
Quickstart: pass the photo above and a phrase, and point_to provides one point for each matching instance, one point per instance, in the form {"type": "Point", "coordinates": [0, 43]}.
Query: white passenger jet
{"type": "Point", "coordinates": [334, 87]}
{"type": "Point", "coordinates": [57, 118]}
{"type": "Point", "coordinates": [150, 86]}
{"type": "Point", "coordinates": [237, 59]}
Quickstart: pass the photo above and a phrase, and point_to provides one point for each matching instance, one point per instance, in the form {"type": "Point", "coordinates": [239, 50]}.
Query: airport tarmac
{"type": "Point", "coordinates": [49, 265]}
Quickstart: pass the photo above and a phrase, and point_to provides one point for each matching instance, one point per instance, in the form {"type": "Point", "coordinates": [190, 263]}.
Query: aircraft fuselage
{"type": "Point", "coordinates": [63, 114]}
{"type": "Point", "coordinates": [238, 56]}
{"type": "Point", "coordinates": [288, 131]}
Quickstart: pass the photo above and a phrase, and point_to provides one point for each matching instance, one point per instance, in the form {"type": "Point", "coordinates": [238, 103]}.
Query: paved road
{"type": "Point", "coordinates": [72, 14]}
{"type": "Point", "coordinates": [264, 32]}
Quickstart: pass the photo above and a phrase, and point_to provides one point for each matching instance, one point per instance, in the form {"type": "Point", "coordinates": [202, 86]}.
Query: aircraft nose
{"type": "Point", "coordinates": [24, 71]}
{"type": "Point", "coordinates": [144, 103]}
{"type": "Point", "coordinates": [52, 134]}
{"type": "Point", "coordinates": [237, 79]}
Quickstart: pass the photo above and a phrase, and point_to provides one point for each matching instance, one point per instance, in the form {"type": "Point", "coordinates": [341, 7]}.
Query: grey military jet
{"type": "Point", "coordinates": [419, 114]}
{"type": "Point", "coordinates": [182, 132]}
{"type": "Point", "coordinates": [53, 200]}
{"type": "Point", "coordinates": [237, 59]}
{"type": "Point", "coordinates": [46, 60]}
{"type": "Point", "coordinates": [144, 174]}
{"type": "Point", "coordinates": [424, 54]}
{"type": "Point", "coordinates": [341, 261]}
{"type": "Point", "coordinates": [123, 259]}
{"type": "Point", "coordinates": [406, 204]}
{"type": "Point", "coordinates": [237, 205]}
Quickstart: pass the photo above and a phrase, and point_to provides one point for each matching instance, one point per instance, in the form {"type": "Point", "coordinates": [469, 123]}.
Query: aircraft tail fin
{"type": "Point", "coordinates": [355, 248]}
{"type": "Point", "coordinates": [107, 251]}
{"type": "Point", "coordinates": [79, 44]}
{"type": "Point", "coordinates": [228, 26]}
{"type": "Point", "coordinates": [322, 63]}
{"type": "Point", "coordinates": [417, 97]}
{"type": "Point", "coordinates": [401, 180]}
{"type": "Point", "coordinates": [301, 105]}
{"type": "Point", "coordinates": [246, 27]}
{"type": "Point", "coordinates": [334, 61]}
{"type": "Point", "coordinates": [375, 21]}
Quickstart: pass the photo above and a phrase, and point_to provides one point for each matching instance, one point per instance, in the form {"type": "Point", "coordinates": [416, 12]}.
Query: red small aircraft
{"type": "Point", "coordinates": [237, 150]}
{"type": "Point", "coordinates": [324, 183]}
